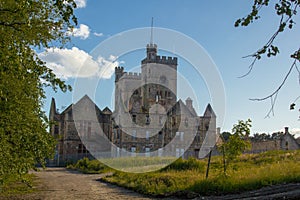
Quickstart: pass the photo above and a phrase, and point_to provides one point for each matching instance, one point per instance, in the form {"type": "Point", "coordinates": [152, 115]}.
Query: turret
{"type": "Point", "coordinates": [151, 51]}
{"type": "Point", "coordinates": [152, 57]}
{"type": "Point", "coordinates": [119, 71]}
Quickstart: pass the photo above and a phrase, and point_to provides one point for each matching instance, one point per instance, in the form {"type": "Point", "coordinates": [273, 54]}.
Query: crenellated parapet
{"type": "Point", "coordinates": [132, 75]}
{"type": "Point", "coordinates": [161, 60]}
{"type": "Point", "coordinates": [120, 73]}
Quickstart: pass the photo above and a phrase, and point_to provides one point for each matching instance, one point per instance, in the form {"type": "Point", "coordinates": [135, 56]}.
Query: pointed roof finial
{"type": "Point", "coordinates": [151, 37]}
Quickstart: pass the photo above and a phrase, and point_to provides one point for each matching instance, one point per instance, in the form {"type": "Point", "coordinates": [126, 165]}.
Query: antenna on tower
{"type": "Point", "coordinates": [151, 37]}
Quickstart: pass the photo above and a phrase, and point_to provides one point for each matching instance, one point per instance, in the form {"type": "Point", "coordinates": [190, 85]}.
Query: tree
{"type": "Point", "coordinates": [287, 11]}
{"type": "Point", "coordinates": [261, 137]}
{"type": "Point", "coordinates": [24, 25]}
{"type": "Point", "coordinates": [237, 142]}
{"type": "Point", "coordinates": [225, 135]}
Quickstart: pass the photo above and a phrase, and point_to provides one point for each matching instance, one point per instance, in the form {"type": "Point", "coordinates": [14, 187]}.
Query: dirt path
{"type": "Point", "coordinates": [60, 183]}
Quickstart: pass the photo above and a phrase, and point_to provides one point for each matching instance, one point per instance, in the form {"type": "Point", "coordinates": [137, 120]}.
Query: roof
{"type": "Point", "coordinates": [209, 112]}
{"type": "Point", "coordinates": [182, 108]}
{"type": "Point", "coordinates": [106, 110]}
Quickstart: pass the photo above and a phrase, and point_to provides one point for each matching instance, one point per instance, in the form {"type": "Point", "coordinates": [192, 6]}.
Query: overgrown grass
{"type": "Point", "coordinates": [127, 164]}
{"type": "Point", "coordinates": [17, 186]}
{"type": "Point", "coordinates": [247, 172]}
{"type": "Point", "coordinates": [89, 166]}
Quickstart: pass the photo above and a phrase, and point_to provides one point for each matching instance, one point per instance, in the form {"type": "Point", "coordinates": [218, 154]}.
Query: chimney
{"type": "Point", "coordinates": [286, 130]}
{"type": "Point", "coordinates": [218, 131]}
{"type": "Point", "coordinates": [189, 103]}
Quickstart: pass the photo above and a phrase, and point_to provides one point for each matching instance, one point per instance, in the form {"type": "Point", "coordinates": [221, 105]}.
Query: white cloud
{"type": "Point", "coordinates": [295, 131]}
{"type": "Point", "coordinates": [98, 34]}
{"type": "Point", "coordinates": [75, 63]}
{"type": "Point", "coordinates": [83, 32]}
{"type": "Point", "coordinates": [81, 3]}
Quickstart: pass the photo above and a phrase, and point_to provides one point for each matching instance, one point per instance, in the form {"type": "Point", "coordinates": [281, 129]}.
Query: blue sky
{"type": "Point", "coordinates": [209, 23]}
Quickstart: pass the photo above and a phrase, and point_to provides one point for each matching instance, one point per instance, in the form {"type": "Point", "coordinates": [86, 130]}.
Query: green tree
{"type": "Point", "coordinates": [237, 142]}
{"type": "Point", "coordinates": [286, 10]}
{"type": "Point", "coordinates": [24, 25]}
{"type": "Point", "coordinates": [225, 135]}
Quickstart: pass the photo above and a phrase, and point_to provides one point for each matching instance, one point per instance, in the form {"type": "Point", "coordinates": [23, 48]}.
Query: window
{"type": "Point", "coordinates": [206, 127]}
{"type": "Point", "coordinates": [181, 136]}
{"type": "Point", "coordinates": [177, 153]}
{"type": "Point", "coordinates": [147, 120]}
{"type": "Point", "coordinates": [160, 135]}
{"type": "Point", "coordinates": [186, 122]}
{"type": "Point", "coordinates": [160, 120]}
{"type": "Point", "coordinates": [118, 152]}
{"type": "Point", "coordinates": [182, 153]}
{"type": "Point", "coordinates": [79, 148]}
{"type": "Point", "coordinates": [134, 118]}
{"type": "Point", "coordinates": [147, 135]}
{"type": "Point", "coordinates": [156, 98]}
{"type": "Point", "coordinates": [147, 150]}
{"type": "Point", "coordinates": [133, 137]}
{"type": "Point", "coordinates": [117, 133]}
{"type": "Point", "coordinates": [160, 151]}
{"type": "Point", "coordinates": [56, 129]}
{"type": "Point", "coordinates": [70, 115]}
{"type": "Point", "coordinates": [133, 150]}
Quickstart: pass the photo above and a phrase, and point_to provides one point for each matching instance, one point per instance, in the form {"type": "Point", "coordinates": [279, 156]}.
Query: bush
{"type": "Point", "coordinates": [89, 166]}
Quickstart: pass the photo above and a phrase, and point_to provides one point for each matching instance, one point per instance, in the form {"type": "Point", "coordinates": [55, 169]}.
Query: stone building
{"type": "Point", "coordinates": [73, 135]}
{"type": "Point", "coordinates": [148, 118]}
{"type": "Point", "coordinates": [284, 141]}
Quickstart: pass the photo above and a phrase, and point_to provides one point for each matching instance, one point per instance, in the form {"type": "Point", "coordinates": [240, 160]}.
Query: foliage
{"type": "Point", "coordinates": [89, 166]}
{"type": "Point", "coordinates": [237, 142]}
{"type": "Point", "coordinates": [251, 171]}
{"type": "Point", "coordinates": [225, 135]}
{"type": "Point", "coordinates": [24, 25]}
{"type": "Point", "coordinates": [287, 11]}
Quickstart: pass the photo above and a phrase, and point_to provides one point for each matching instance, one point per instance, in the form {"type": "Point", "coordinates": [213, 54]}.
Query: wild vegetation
{"type": "Point", "coordinates": [26, 26]}
{"type": "Point", "coordinates": [247, 172]}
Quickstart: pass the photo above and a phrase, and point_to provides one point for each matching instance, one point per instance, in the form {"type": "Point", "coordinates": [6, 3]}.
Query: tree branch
{"type": "Point", "coordinates": [273, 96]}
{"type": "Point", "coordinates": [272, 50]}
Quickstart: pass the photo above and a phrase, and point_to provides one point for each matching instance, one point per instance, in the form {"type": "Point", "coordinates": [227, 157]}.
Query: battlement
{"type": "Point", "coordinates": [119, 71]}
{"type": "Point", "coordinates": [161, 60]}
{"type": "Point", "coordinates": [132, 75]}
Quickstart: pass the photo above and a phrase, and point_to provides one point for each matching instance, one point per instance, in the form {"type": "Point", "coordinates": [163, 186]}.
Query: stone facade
{"type": "Point", "coordinates": [285, 142]}
{"type": "Point", "coordinates": [148, 118]}
{"type": "Point", "coordinates": [73, 134]}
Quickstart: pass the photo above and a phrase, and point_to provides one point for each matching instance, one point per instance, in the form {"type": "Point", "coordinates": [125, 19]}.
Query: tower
{"type": "Point", "coordinates": [159, 76]}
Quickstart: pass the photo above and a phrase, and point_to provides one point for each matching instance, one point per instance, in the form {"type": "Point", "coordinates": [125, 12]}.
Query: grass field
{"type": "Point", "coordinates": [248, 172]}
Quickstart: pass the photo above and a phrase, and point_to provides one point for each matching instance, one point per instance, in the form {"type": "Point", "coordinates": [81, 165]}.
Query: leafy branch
{"type": "Point", "coordinates": [286, 9]}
